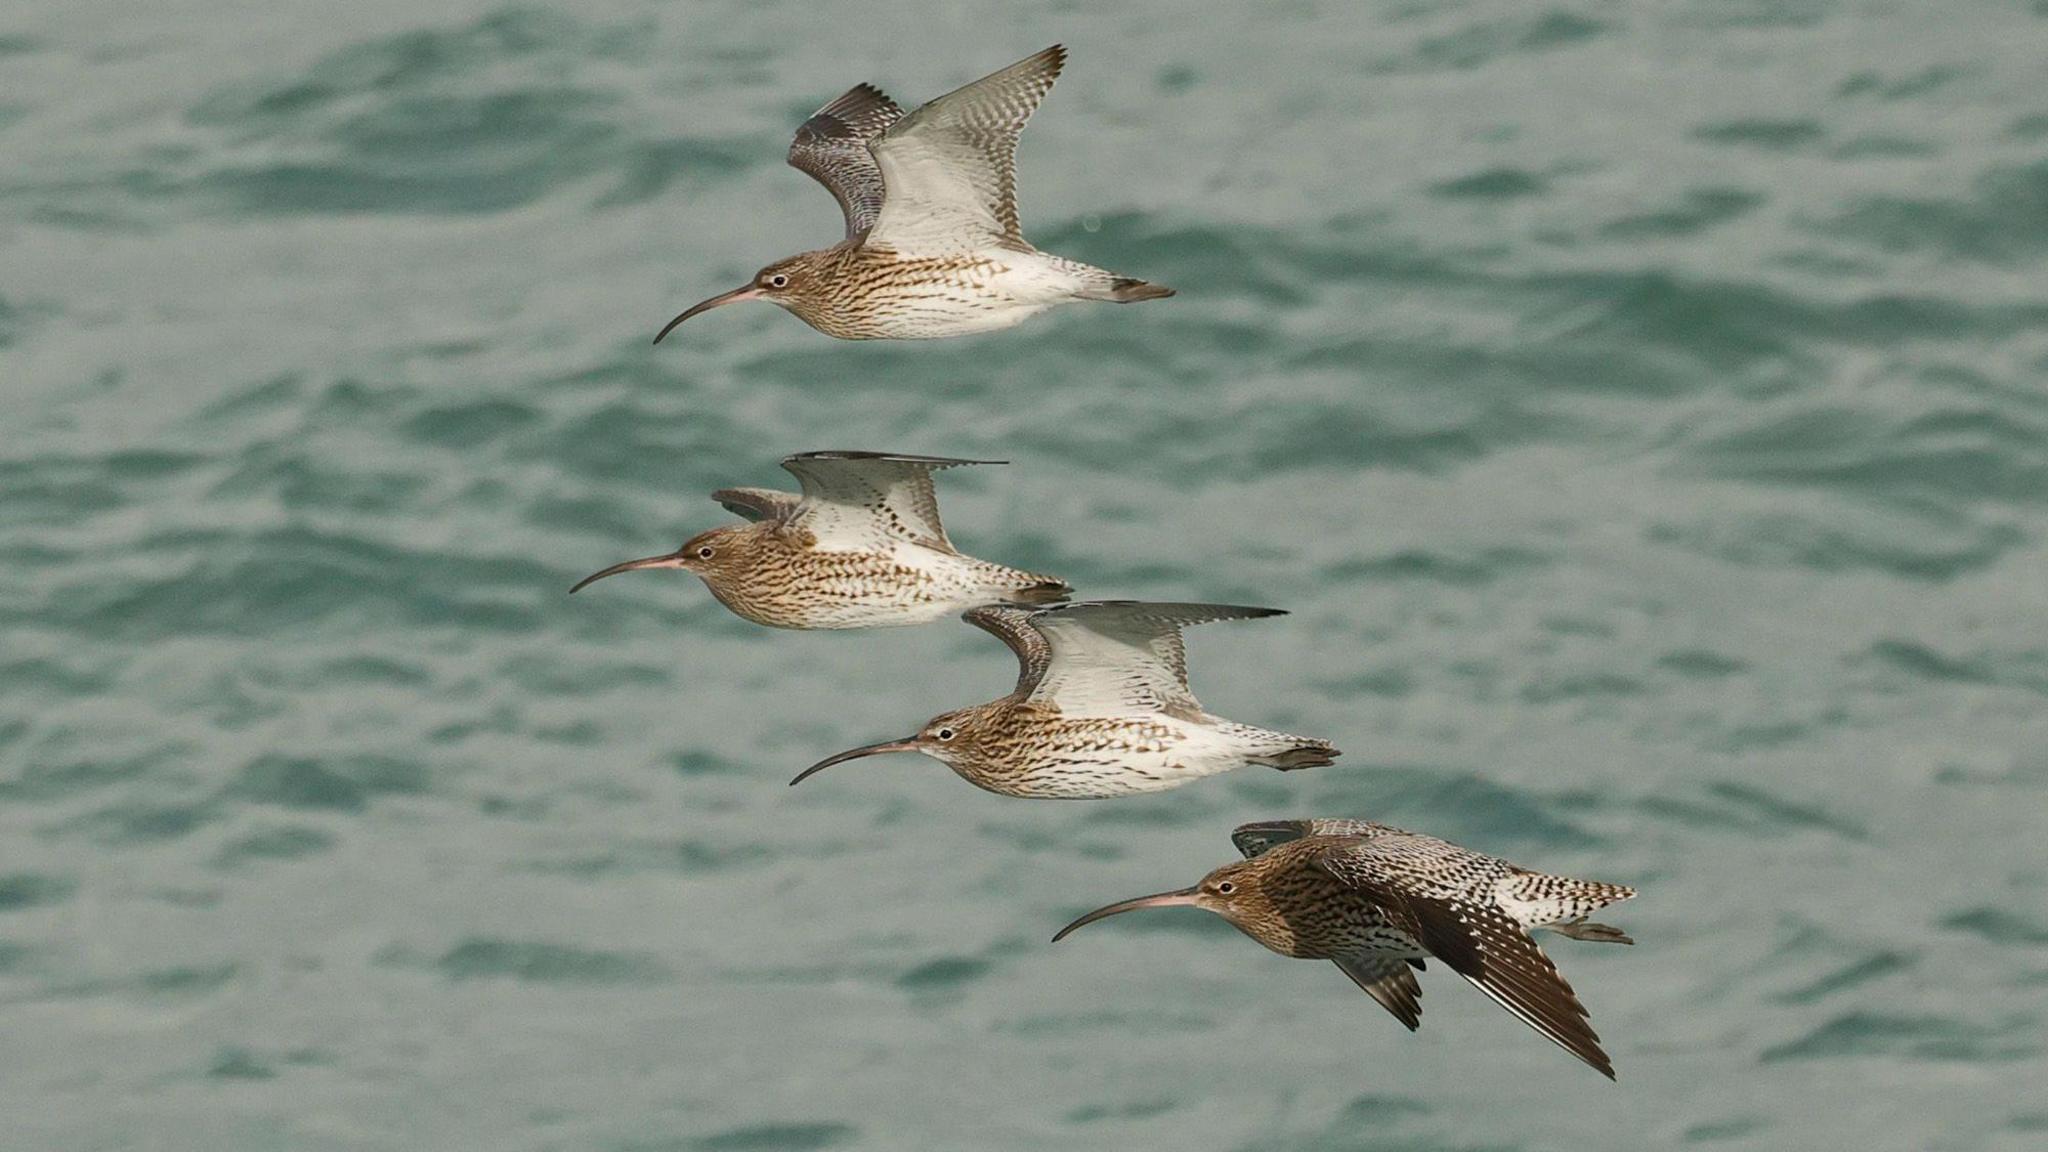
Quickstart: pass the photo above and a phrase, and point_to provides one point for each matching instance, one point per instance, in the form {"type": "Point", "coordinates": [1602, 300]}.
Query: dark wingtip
{"type": "Point", "coordinates": [1317, 755]}
{"type": "Point", "coordinates": [861, 111]}
{"type": "Point", "coordinates": [862, 454]}
{"type": "Point", "coordinates": [1127, 290]}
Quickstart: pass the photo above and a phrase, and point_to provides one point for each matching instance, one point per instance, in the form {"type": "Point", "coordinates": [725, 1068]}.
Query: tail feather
{"type": "Point", "coordinates": [1540, 899]}
{"type": "Point", "coordinates": [1306, 754]}
{"type": "Point", "coordinates": [1584, 929]}
{"type": "Point", "coordinates": [1125, 290]}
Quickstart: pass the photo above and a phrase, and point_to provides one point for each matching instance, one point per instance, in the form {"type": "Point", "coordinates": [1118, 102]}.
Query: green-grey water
{"type": "Point", "coordinates": [1640, 408]}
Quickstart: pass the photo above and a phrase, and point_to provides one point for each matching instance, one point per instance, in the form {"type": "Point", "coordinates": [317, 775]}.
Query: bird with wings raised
{"type": "Point", "coordinates": [862, 547]}
{"type": "Point", "coordinates": [1101, 708]}
{"type": "Point", "coordinates": [1380, 902]}
{"type": "Point", "coordinates": [933, 246]}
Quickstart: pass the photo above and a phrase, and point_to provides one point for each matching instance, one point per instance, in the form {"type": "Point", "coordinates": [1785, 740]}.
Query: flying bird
{"type": "Point", "coordinates": [861, 548]}
{"type": "Point", "coordinates": [1380, 901]}
{"type": "Point", "coordinates": [1101, 708]}
{"type": "Point", "coordinates": [933, 247]}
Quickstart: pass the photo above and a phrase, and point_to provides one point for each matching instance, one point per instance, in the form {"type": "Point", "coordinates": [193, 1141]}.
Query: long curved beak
{"type": "Point", "coordinates": [747, 293]}
{"type": "Point", "coordinates": [855, 754]}
{"type": "Point", "coordinates": [1162, 900]}
{"type": "Point", "coordinates": [671, 560]}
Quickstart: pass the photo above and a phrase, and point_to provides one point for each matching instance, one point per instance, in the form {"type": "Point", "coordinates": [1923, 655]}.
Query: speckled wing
{"type": "Point", "coordinates": [1431, 893]}
{"type": "Point", "coordinates": [1389, 980]}
{"type": "Point", "coordinates": [757, 503]}
{"type": "Point", "coordinates": [1122, 657]}
{"type": "Point", "coordinates": [950, 168]}
{"type": "Point", "coordinates": [1256, 838]}
{"type": "Point", "coordinates": [868, 501]}
{"type": "Point", "coordinates": [1013, 627]}
{"type": "Point", "coordinates": [832, 148]}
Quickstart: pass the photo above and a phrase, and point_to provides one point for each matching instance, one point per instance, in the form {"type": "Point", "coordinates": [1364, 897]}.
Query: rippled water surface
{"type": "Point", "coordinates": [1640, 407]}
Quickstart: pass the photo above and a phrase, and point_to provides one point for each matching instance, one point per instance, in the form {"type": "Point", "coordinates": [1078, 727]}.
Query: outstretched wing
{"type": "Point", "coordinates": [864, 501]}
{"type": "Point", "coordinates": [1427, 890]}
{"type": "Point", "coordinates": [1013, 627]}
{"type": "Point", "coordinates": [1117, 657]}
{"type": "Point", "coordinates": [832, 148]}
{"type": "Point", "coordinates": [1256, 838]}
{"type": "Point", "coordinates": [757, 503]}
{"type": "Point", "coordinates": [950, 167]}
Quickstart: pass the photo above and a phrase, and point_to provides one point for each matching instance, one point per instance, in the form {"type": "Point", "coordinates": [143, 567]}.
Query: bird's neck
{"type": "Point", "coordinates": [1255, 915]}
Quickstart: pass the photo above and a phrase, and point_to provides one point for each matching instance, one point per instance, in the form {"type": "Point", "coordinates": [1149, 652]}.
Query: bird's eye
{"type": "Point", "coordinates": [944, 733]}
{"type": "Point", "coordinates": [1226, 888]}
{"type": "Point", "coordinates": [704, 553]}
{"type": "Point", "coordinates": [778, 281]}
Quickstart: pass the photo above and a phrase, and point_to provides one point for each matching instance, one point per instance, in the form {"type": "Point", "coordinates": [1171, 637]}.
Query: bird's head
{"type": "Point", "coordinates": [1231, 892]}
{"type": "Point", "coordinates": [950, 737]}
{"type": "Point", "coordinates": [714, 555]}
{"type": "Point", "coordinates": [783, 282]}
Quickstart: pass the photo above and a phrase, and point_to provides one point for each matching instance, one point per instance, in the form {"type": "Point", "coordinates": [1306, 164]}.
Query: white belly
{"type": "Point", "coordinates": [1004, 290]}
{"type": "Point", "coordinates": [911, 585]}
{"type": "Point", "coordinates": [1191, 753]}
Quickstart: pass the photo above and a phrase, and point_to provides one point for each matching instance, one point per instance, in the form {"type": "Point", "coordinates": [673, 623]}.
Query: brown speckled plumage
{"type": "Point", "coordinates": [1101, 708]}
{"type": "Point", "coordinates": [1380, 901]}
{"type": "Point", "coordinates": [933, 246]}
{"type": "Point", "coordinates": [863, 547]}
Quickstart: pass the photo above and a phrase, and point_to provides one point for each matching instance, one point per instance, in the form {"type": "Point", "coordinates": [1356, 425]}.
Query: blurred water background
{"type": "Point", "coordinates": [1640, 407]}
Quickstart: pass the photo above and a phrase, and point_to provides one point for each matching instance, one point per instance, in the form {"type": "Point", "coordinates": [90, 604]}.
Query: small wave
{"type": "Point", "coordinates": [1482, 42]}
{"type": "Point", "coordinates": [544, 962]}
{"type": "Point", "coordinates": [945, 974]}
{"type": "Point", "coordinates": [1750, 810]}
{"type": "Point", "coordinates": [1125, 1110]}
{"type": "Point", "coordinates": [1460, 806]}
{"type": "Point", "coordinates": [1847, 537]}
{"type": "Point", "coordinates": [19, 890]}
{"type": "Point", "coordinates": [2026, 669]}
{"type": "Point", "coordinates": [339, 783]}
{"type": "Point", "coordinates": [2003, 223]}
{"type": "Point", "coordinates": [1929, 79]}
{"type": "Point", "coordinates": [778, 1137]}
{"type": "Point", "coordinates": [1923, 1038]}
{"type": "Point", "coordinates": [272, 582]}
{"type": "Point", "coordinates": [1998, 926]}
{"type": "Point", "coordinates": [1875, 966]}
{"type": "Point", "coordinates": [272, 845]}
{"type": "Point", "coordinates": [1721, 1131]}
{"type": "Point", "coordinates": [457, 120]}
{"type": "Point", "coordinates": [132, 822]}
{"type": "Point", "coordinates": [1492, 184]}
{"type": "Point", "coordinates": [64, 490]}
{"type": "Point", "coordinates": [1771, 135]}
{"type": "Point", "coordinates": [1699, 210]}
{"type": "Point", "coordinates": [1964, 451]}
